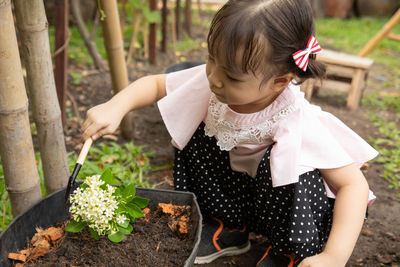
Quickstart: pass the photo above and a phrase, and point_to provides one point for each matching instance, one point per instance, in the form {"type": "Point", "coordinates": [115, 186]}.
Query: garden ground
{"type": "Point", "coordinates": [379, 242]}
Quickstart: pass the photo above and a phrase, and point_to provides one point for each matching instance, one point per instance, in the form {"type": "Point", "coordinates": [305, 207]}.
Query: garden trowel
{"type": "Point", "coordinates": [78, 165]}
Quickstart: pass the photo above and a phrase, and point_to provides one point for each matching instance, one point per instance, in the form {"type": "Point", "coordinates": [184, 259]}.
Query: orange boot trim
{"type": "Point", "coordinates": [293, 259]}
{"type": "Point", "coordinates": [216, 234]}
{"type": "Point", "coordinates": [240, 230]}
{"type": "Point", "coordinates": [265, 255]}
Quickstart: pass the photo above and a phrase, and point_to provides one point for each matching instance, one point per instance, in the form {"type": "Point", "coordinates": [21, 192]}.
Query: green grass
{"type": "Point", "coordinates": [77, 52]}
{"type": "Point", "coordinates": [128, 163]}
{"type": "Point", "coordinates": [388, 143]}
{"type": "Point", "coordinates": [351, 36]}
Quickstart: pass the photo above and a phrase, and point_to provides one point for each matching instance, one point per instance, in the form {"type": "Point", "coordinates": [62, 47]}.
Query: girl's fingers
{"type": "Point", "coordinates": [86, 124]}
{"type": "Point", "coordinates": [99, 134]}
{"type": "Point", "coordinates": [91, 131]}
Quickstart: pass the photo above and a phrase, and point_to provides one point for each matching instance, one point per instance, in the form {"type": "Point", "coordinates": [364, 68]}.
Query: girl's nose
{"type": "Point", "coordinates": [214, 79]}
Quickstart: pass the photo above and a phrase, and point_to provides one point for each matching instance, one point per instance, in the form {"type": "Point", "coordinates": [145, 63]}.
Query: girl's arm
{"type": "Point", "coordinates": [105, 118]}
{"type": "Point", "coordinates": [348, 216]}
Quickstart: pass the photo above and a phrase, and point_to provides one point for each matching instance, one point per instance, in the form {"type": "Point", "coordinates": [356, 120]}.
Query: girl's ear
{"type": "Point", "coordinates": [281, 82]}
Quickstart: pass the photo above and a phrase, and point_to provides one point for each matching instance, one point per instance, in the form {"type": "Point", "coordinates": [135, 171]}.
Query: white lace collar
{"type": "Point", "coordinates": [229, 134]}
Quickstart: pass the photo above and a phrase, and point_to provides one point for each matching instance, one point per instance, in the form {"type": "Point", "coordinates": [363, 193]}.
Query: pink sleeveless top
{"type": "Point", "coordinates": [304, 136]}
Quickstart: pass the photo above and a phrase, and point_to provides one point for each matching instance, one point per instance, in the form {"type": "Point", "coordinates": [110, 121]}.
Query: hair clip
{"type": "Point", "coordinates": [301, 57]}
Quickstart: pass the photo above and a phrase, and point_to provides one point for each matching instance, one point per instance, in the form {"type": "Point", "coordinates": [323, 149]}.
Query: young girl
{"type": "Point", "coordinates": [257, 155]}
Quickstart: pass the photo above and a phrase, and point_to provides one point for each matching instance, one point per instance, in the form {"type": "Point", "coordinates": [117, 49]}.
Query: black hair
{"type": "Point", "coordinates": [267, 32]}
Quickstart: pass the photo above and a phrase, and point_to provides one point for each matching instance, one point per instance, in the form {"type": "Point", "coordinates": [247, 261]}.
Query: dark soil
{"type": "Point", "coordinates": [379, 242]}
{"type": "Point", "coordinates": [152, 243]}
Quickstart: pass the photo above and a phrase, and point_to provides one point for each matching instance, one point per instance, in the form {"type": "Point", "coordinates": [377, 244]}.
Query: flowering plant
{"type": "Point", "coordinates": [105, 209]}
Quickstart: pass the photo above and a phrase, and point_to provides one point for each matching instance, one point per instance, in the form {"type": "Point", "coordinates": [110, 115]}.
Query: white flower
{"type": "Point", "coordinates": [121, 218]}
{"type": "Point", "coordinates": [95, 206]}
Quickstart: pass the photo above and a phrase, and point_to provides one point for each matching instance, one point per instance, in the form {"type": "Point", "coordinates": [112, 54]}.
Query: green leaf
{"type": "Point", "coordinates": [126, 230]}
{"type": "Point", "coordinates": [107, 176]}
{"type": "Point", "coordinates": [134, 210]}
{"type": "Point", "coordinates": [136, 3]}
{"type": "Point", "coordinates": [124, 224]}
{"type": "Point", "coordinates": [75, 227]}
{"type": "Point", "coordinates": [94, 234]}
{"type": "Point", "coordinates": [151, 16]}
{"type": "Point", "coordinates": [116, 237]}
{"type": "Point", "coordinates": [140, 202]}
{"type": "Point", "coordinates": [128, 192]}
{"type": "Point", "coordinates": [83, 186]}
{"type": "Point", "coordinates": [121, 208]}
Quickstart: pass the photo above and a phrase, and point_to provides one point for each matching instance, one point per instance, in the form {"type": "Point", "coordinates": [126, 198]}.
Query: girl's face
{"type": "Point", "coordinates": [243, 92]}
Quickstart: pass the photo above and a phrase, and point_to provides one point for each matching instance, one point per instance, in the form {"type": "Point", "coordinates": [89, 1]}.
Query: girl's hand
{"type": "Point", "coordinates": [100, 120]}
{"type": "Point", "coordinates": [322, 259]}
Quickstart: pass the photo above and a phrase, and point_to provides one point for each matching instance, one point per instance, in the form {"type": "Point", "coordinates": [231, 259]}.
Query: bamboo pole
{"type": "Point", "coordinates": [145, 31]}
{"type": "Point", "coordinates": [33, 29]}
{"type": "Point", "coordinates": [16, 147]}
{"type": "Point", "coordinates": [116, 59]}
{"type": "Point", "coordinates": [381, 34]}
{"type": "Point", "coordinates": [61, 53]}
{"type": "Point", "coordinates": [164, 24]}
{"type": "Point", "coordinates": [394, 37]}
{"type": "Point", "coordinates": [152, 36]}
{"type": "Point", "coordinates": [123, 16]}
{"type": "Point", "coordinates": [137, 17]}
{"type": "Point", "coordinates": [178, 19]}
{"type": "Point", "coordinates": [188, 17]}
{"type": "Point", "coordinates": [173, 35]}
{"type": "Point", "coordinates": [89, 42]}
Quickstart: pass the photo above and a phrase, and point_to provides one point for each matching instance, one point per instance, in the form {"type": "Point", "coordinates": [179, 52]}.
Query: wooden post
{"type": "Point", "coordinates": [356, 89]}
{"type": "Point", "coordinates": [178, 19]}
{"type": "Point", "coordinates": [381, 34]}
{"type": "Point", "coordinates": [173, 35]}
{"type": "Point", "coordinates": [394, 37]}
{"type": "Point", "coordinates": [116, 59]}
{"type": "Point", "coordinates": [61, 53]}
{"type": "Point", "coordinates": [16, 146]}
{"type": "Point", "coordinates": [153, 36]}
{"type": "Point", "coordinates": [318, 8]}
{"type": "Point", "coordinates": [164, 25]}
{"type": "Point", "coordinates": [33, 29]}
{"type": "Point", "coordinates": [188, 16]}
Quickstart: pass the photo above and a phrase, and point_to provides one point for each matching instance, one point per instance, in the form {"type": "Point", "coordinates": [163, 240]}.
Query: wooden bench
{"type": "Point", "coordinates": [345, 72]}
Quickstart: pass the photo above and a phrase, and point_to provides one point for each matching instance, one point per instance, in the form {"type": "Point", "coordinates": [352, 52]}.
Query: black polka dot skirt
{"type": "Point", "coordinates": [296, 218]}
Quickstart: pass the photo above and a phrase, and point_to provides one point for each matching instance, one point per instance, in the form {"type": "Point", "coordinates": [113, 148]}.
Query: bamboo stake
{"type": "Point", "coordinates": [173, 35]}
{"type": "Point", "coordinates": [394, 37]}
{"type": "Point", "coordinates": [33, 29]}
{"type": "Point", "coordinates": [89, 42]}
{"type": "Point", "coordinates": [188, 17]}
{"type": "Point", "coordinates": [381, 34]}
{"type": "Point", "coordinates": [16, 147]}
{"type": "Point", "coordinates": [96, 22]}
{"type": "Point", "coordinates": [116, 60]}
{"type": "Point", "coordinates": [61, 54]}
{"type": "Point", "coordinates": [123, 16]}
{"type": "Point", "coordinates": [136, 22]}
{"type": "Point", "coordinates": [178, 19]}
{"type": "Point", "coordinates": [164, 23]}
{"type": "Point", "coordinates": [152, 36]}
{"type": "Point", "coordinates": [146, 34]}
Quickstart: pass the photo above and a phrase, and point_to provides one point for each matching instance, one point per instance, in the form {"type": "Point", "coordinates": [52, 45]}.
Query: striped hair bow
{"type": "Point", "coordinates": [301, 57]}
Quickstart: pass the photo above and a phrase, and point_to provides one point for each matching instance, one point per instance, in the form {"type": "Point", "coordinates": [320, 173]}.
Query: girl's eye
{"type": "Point", "coordinates": [232, 79]}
